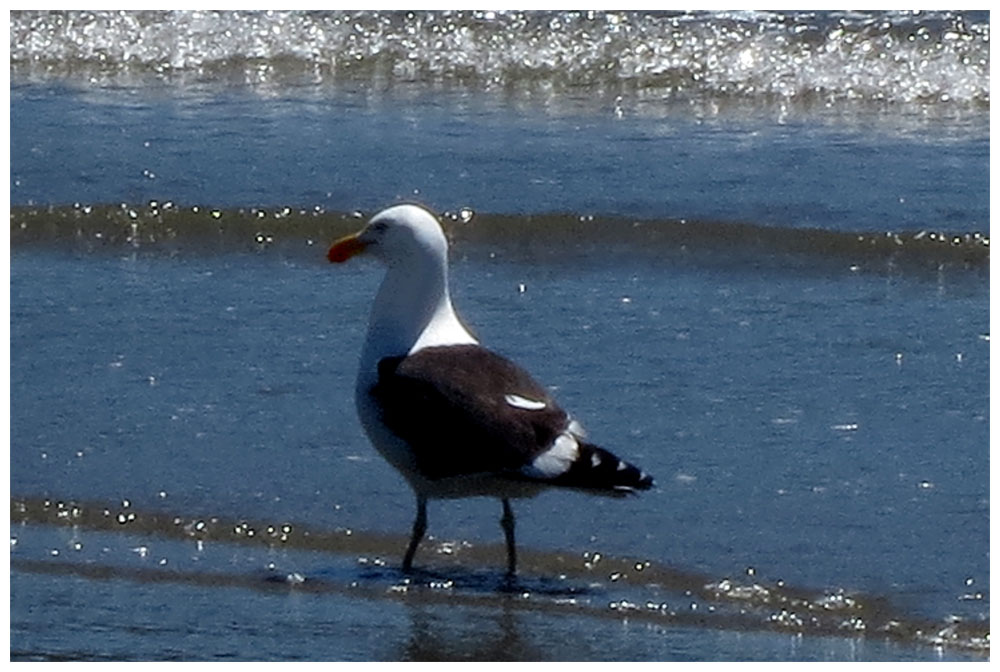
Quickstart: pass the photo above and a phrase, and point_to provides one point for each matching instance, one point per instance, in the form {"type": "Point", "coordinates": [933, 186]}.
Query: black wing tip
{"type": "Point", "coordinates": [590, 487]}
{"type": "Point", "coordinates": [599, 471]}
{"type": "Point", "coordinates": [644, 483]}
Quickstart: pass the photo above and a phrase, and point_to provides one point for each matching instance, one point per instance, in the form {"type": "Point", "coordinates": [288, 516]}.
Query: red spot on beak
{"type": "Point", "coordinates": [345, 248]}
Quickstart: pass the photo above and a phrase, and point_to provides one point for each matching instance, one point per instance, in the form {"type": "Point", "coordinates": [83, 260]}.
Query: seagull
{"type": "Point", "coordinates": [453, 417]}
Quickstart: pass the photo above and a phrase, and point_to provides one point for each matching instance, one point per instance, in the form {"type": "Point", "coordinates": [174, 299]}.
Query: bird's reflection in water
{"type": "Point", "coordinates": [468, 634]}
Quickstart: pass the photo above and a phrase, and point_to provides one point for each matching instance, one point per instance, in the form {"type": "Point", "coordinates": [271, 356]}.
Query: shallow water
{"type": "Point", "coordinates": [778, 308]}
{"type": "Point", "coordinates": [199, 385]}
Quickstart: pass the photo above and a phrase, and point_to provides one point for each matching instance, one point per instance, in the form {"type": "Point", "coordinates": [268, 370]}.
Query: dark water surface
{"type": "Point", "coordinates": [776, 302]}
{"type": "Point", "coordinates": [233, 148]}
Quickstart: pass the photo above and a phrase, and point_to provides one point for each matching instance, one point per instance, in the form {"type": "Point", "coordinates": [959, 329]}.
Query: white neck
{"type": "Point", "coordinates": [412, 310]}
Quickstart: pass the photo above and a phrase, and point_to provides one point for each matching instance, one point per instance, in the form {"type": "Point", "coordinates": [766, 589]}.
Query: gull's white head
{"type": "Point", "coordinates": [395, 236]}
{"type": "Point", "coordinates": [412, 308]}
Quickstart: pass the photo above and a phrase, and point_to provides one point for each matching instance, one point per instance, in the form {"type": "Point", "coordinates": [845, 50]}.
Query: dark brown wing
{"type": "Point", "coordinates": [465, 410]}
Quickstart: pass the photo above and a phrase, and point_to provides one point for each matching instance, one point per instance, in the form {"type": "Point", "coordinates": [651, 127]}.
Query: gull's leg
{"type": "Point", "coordinates": [507, 523]}
{"type": "Point", "coordinates": [419, 527]}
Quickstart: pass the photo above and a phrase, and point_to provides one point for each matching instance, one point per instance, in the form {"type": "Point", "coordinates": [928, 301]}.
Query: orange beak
{"type": "Point", "coordinates": [345, 248]}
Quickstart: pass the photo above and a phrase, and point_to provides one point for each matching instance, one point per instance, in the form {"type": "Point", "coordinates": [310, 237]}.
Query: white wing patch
{"type": "Point", "coordinates": [517, 401]}
{"type": "Point", "coordinates": [557, 459]}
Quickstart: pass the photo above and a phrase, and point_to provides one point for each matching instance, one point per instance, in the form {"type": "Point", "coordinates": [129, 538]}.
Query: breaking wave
{"type": "Point", "coordinates": [939, 57]}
